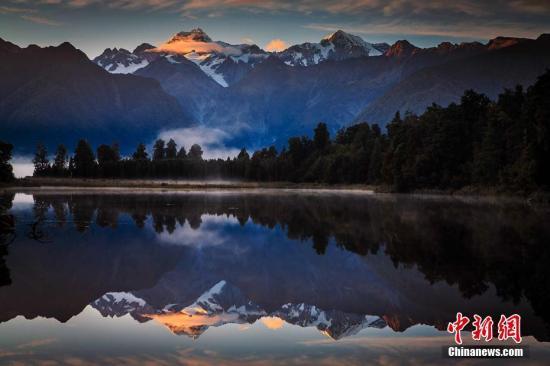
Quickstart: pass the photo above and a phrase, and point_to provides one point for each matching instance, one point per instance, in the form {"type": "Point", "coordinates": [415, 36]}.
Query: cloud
{"type": "Point", "coordinates": [41, 20]}
{"type": "Point", "coordinates": [29, 14]}
{"type": "Point", "coordinates": [22, 166]}
{"type": "Point", "coordinates": [15, 10]}
{"type": "Point", "coordinates": [212, 140]}
{"type": "Point", "coordinates": [246, 4]}
{"type": "Point", "coordinates": [81, 3]}
{"type": "Point", "coordinates": [37, 343]}
{"type": "Point", "coordinates": [208, 234]}
{"type": "Point", "coordinates": [272, 322]}
{"type": "Point", "coordinates": [531, 6]}
{"type": "Point", "coordinates": [276, 45]}
{"type": "Point", "coordinates": [463, 29]}
{"type": "Point", "coordinates": [186, 45]}
{"type": "Point", "coordinates": [388, 8]}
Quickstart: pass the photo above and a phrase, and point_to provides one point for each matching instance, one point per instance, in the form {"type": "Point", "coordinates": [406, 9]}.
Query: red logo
{"type": "Point", "coordinates": [482, 328]}
{"type": "Point", "coordinates": [457, 326]}
{"type": "Point", "coordinates": [508, 328]}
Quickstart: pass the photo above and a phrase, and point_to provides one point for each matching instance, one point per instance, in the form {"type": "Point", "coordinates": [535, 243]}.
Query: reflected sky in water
{"type": "Point", "coordinates": [250, 278]}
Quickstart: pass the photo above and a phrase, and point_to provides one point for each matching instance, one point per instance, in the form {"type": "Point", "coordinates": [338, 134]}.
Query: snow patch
{"type": "Point", "coordinates": [116, 297]}
{"type": "Point", "coordinates": [130, 69]}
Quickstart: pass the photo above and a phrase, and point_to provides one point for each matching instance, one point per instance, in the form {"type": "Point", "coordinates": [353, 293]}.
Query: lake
{"type": "Point", "coordinates": [248, 277]}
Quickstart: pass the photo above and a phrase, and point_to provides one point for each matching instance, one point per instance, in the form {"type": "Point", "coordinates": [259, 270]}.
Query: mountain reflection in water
{"type": "Point", "coordinates": [341, 264]}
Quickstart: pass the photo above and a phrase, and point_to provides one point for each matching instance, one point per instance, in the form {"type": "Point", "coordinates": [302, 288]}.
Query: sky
{"type": "Point", "coordinates": [93, 25]}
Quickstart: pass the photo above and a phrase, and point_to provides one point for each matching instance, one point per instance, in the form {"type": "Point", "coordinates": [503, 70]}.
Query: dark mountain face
{"type": "Point", "coordinates": [274, 99]}
{"type": "Point", "coordinates": [485, 69]}
{"type": "Point", "coordinates": [59, 89]}
{"type": "Point", "coordinates": [184, 80]}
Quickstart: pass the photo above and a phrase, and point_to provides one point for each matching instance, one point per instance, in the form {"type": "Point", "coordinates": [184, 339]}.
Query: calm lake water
{"type": "Point", "coordinates": [255, 278]}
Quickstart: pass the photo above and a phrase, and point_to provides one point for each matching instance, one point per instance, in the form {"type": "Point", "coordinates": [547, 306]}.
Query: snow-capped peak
{"type": "Point", "coordinates": [345, 39]}
{"type": "Point", "coordinates": [224, 303]}
{"type": "Point", "coordinates": [219, 305]}
{"type": "Point", "coordinates": [195, 34]}
{"type": "Point", "coordinates": [336, 46]}
{"type": "Point", "coordinates": [220, 61]}
{"type": "Point", "coordinates": [228, 63]}
{"type": "Point", "coordinates": [121, 61]}
{"type": "Point", "coordinates": [207, 301]}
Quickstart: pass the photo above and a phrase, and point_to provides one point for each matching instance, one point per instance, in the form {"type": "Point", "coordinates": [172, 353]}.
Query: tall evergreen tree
{"type": "Point", "coordinates": [6, 170]}
{"type": "Point", "coordinates": [84, 160]}
{"type": "Point", "coordinates": [40, 161]}
{"type": "Point", "coordinates": [375, 162]}
{"type": "Point", "coordinates": [106, 154]}
{"type": "Point", "coordinates": [171, 149]}
{"type": "Point", "coordinates": [321, 138]}
{"type": "Point", "coordinates": [60, 161]}
{"type": "Point", "coordinates": [182, 154]}
{"type": "Point", "coordinates": [195, 152]}
{"type": "Point", "coordinates": [243, 155]}
{"type": "Point", "coordinates": [140, 153]}
{"type": "Point", "coordinates": [159, 152]}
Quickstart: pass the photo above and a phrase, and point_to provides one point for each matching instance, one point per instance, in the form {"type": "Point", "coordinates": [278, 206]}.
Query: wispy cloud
{"type": "Point", "coordinates": [37, 343]}
{"type": "Point", "coordinates": [41, 20]}
{"type": "Point", "coordinates": [212, 140]}
{"type": "Point", "coordinates": [29, 14]}
{"type": "Point", "coordinates": [388, 7]}
{"type": "Point", "coordinates": [276, 45]}
{"type": "Point", "coordinates": [208, 234]}
{"type": "Point", "coordinates": [531, 6]}
{"type": "Point", "coordinates": [464, 29]}
{"type": "Point", "coordinates": [15, 10]}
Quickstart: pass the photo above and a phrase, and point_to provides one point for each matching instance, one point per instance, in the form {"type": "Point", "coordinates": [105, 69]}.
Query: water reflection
{"type": "Point", "coordinates": [342, 265]}
{"type": "Point", "coordinates": [7, 233]}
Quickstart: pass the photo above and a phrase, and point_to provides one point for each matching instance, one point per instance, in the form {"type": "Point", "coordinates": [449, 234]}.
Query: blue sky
{"type": "Point", "coordinates": [93, 25]}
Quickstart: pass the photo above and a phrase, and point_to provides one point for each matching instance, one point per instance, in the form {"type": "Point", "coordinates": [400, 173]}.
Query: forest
{"type": "Point", "coordinates": [477, 142]}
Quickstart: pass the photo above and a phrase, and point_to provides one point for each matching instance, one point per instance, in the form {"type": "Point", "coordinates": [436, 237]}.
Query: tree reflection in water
{"type": "Point", "coordinates": [462, 242]}
{"type": "Point", "coordinates": [7, 235]}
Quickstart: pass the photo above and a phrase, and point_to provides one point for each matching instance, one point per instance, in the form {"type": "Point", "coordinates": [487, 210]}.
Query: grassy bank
{"type": "Point", "coordinates": [32, 182]}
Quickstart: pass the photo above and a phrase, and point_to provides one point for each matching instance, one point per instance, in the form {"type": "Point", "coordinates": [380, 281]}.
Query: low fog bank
{"type": "Point", "coordinates": [22, 166]}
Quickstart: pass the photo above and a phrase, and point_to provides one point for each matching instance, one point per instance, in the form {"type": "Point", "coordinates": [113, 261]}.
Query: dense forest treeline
{"type": "Point", "coordinates": [503, 143]}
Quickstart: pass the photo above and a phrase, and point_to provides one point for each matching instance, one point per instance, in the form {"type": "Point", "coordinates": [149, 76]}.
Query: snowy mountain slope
{"type": "Point", "coordinates": [223, 304]}
{"type": "Point", "coordinates": [215, 58]}
{"type": "Point", "coordinates": [228, 63]}
{"type": "Point", "coordinates": [337, 46]}
{"type": "Point", "coordinates": [122, 61]}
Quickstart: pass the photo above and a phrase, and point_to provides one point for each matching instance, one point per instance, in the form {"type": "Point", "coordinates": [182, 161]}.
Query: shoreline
{"type": "Point", "coordinates": [175, 184]}
{"type": "Point", "coordinates": [113, 186]}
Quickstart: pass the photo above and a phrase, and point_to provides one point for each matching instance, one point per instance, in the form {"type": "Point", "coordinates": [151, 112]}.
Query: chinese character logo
{"type": "Point", "coordinates": [457, 326]}
{"type": "Point", "coordinates": [482, 328]}
{"type": "Point", "coordinates": [508, 328]}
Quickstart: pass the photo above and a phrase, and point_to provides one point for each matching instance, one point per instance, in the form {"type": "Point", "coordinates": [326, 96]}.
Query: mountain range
{"type": "Point", "coordinates": [224, 304]}
{"type": "Point", "coordinates": [256, 97]}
